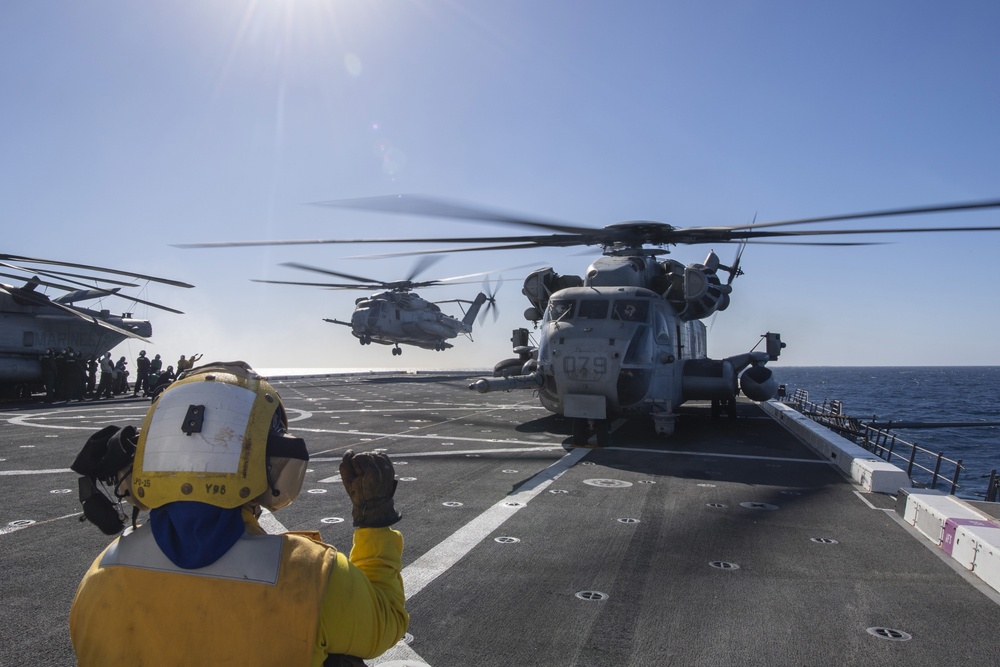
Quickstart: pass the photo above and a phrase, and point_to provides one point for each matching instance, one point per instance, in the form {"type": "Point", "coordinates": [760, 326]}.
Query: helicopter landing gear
{"type": "Point", "coordinates": [727, 404]}
{"type": "Point", "coordinates": [396, 351]}
{"type": "Point", "coordinates": [366, 339]}
{"type": "Point", "coordinates": [583, 428]}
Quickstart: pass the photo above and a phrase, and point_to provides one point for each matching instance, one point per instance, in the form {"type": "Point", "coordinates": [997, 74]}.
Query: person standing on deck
{"type": "Point", "coordinates": [201, 582]}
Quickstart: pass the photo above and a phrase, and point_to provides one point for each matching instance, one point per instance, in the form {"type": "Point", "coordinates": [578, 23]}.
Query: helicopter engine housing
{"type": "Point", "coordinates": [708, 379]}
{"type": "Point", "coordinates": [758, 383]}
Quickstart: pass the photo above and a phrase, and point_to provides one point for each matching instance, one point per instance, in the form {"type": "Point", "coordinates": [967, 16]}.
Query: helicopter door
{"type": "Point", "coordinates": [374, 312]}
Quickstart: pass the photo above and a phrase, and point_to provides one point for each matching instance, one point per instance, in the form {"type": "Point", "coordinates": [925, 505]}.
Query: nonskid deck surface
{"type": "Point", "coordinates": [729, 543]}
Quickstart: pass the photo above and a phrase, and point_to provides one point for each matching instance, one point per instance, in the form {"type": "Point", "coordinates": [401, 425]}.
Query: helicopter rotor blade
{"type": "Point", "coordinates": [937, 208]}
{"type": "Point", "coordinates": [422, 265]}
{"type": "Point", "coordinates": [329, 272]}
{"type": "Point", "coordinates": [617, 238]}
{"type": "Point", "coordinates": [491, 299]}
{"type": "Point", "coordinates": [165, 281]}
{"type": "Point", "coordinates": [42, 300]}
{"type": "Point", "coordinates": [103, 291]}
{"type": "Point", "coordinates": [53, 274]}
{"type": "Point", "coordinates": [439, 208]}
{"type": "Point", "coordinates": [37, 299]}
{"type": "Point", "coordinates": [343, 286]}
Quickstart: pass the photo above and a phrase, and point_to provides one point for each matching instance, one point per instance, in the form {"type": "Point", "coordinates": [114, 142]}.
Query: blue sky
{"type": "Point", "coordinates": [128, 127]}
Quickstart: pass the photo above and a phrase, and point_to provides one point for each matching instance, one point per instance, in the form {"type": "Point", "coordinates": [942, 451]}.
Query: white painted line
{"type": "Point", "coordinates": [411, 436]}
{"type": "Point", "coordinates": [400, 654]}
{"type": "Point", "coordinates": [10, 529]}
{"type": "Point", "coordinates": [442, 557]}
{"type": "Point", "coordinates": [715, 455]}
{"type": "Point", "coordinates": [50, 471]}
{"type": "Point", "coordinates": [270, 524]}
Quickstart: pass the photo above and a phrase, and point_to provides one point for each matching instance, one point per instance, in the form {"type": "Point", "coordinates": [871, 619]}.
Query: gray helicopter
{"type": "Point", "coordinates": [627, 339]}
{"type": "Point", "coordinates": [31, 322]}
{"type": "Point", "coordinates": [398, 315]}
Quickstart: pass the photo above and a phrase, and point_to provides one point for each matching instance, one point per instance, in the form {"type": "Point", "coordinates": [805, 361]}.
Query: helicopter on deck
{"type": "Point", "coordinates": [31, 322]}
{"type": "Point", "coordinates": [626, 338]}
{"type": "Point", "coordinates": [398, 315]}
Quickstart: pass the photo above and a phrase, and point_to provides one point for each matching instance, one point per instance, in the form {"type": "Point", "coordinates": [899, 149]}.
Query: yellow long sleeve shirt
{"type": "Point", "coordinates": [270, 600]}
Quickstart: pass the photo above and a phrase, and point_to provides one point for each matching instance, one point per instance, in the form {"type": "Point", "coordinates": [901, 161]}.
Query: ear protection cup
{"type": "Point", "coordinates": [99, 510]}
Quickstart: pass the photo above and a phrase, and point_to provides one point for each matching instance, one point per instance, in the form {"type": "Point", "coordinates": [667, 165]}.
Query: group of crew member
{"type": "Point", "coordinates": [64, 373]}
{"type": "Point", "coordinates": [67, 376]}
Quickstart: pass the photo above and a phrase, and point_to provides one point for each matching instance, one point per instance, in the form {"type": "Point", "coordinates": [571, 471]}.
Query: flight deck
{"type": "Point", "coordinates": [729, 542]}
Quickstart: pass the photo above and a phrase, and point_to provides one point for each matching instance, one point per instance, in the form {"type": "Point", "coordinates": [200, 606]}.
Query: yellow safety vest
{"type": "Point", "coordinates": [270, 600]}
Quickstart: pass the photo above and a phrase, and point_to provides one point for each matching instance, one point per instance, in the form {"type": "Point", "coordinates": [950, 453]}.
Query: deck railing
{"type": "Point", "coordinates": [935, 466]}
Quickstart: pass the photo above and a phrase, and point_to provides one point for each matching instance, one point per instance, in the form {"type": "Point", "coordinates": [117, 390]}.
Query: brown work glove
{"type": "Point", "coordinates": [369, 480]}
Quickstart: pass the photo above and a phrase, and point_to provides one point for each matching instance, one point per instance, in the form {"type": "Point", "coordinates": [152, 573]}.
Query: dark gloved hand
{"type": "Point", "coordinates": [369, 480]}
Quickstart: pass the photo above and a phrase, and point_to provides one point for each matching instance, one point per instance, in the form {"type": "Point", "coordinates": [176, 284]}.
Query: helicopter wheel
{"type": "Point", "coordinates": [581, 432]}
{"type": "Point", "coordinates": [396, 351]}
{"type": "Point", "coordinates": [603, 430]}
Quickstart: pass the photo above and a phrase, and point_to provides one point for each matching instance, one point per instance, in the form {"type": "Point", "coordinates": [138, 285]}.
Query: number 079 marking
{"type": "Point", "coordinates": [581, 365]}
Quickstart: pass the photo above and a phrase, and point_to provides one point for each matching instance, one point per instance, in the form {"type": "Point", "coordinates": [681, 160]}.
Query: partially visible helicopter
{"type": "Point", "coordinates": [627, 338]}
{"type": "Point", "coordinates": [31, 322]}
{"type": "Point", "coordinates": [398, 315]}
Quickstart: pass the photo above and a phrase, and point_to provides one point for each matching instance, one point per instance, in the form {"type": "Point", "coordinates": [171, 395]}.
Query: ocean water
{"type": "Point", "coordinates": [934, 393]}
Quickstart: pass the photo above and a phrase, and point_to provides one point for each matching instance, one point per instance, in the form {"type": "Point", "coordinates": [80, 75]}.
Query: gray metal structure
{"type": "Point", "coordinates": [32, 322]}
{"type": "Point", "coordinates": [398, 315]}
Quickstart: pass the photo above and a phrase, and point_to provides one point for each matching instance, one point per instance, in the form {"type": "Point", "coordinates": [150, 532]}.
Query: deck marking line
{"type": "Point", "coordinates": [399, 652]}
{"type": "Point", "coordinates": [415, 437]}
{"type": "Point", "coordinates": [49, 471]}
{"type": "Point", "coordinates": [6, 530]}
{"type": "Point", "coordinates": [442, 557]}
{"type": "Point", "coordinates": [269, 523]}
{"type": "Point", "coordinates": [715, 454]}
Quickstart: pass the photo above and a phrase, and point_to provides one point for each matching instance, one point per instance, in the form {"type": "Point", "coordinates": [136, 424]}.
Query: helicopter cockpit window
{"type": "Point", "coordinates": [592, 309]}
{"type": "Point", "coordinates": [561, 309]}
{"type": "Point", "coordinates": [630, 310]}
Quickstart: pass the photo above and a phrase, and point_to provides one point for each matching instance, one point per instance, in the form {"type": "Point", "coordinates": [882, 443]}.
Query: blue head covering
{"type": "Point", "coordinates": [193, 534]}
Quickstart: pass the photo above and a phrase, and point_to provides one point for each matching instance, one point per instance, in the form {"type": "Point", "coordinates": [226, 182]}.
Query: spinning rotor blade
{"type": "Point", "coordinates": [328, 272]}
{"type": "Point", "coordinates": [440, 208]}
{"type": "Point", "coordinates": [422, 265]}
{"type": "Point", "coordinates": [616, 238]}
{"type": "Point", "coordinates": [491, 299]}
{"type": "Point", "coordinates": [939, 208]}
{"type": "Point", "coordinates": [408, 283]}
{"type": "Point", "coordinates": [326, 285]}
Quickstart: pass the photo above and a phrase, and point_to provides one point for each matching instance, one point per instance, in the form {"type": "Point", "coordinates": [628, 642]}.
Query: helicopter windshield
{"type": "Point", "coordinates": [561, 309]}
{"type": "Point", "coordinates": [592, 309]}
{"type": "Point", "coordinates": [631, 310]}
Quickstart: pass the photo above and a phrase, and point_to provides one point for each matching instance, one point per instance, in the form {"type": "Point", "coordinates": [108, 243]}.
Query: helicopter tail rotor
{"type": "Point", "coordinates": [491, 300]}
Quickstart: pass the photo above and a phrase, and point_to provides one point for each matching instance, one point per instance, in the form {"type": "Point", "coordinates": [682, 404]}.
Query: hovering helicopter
{"type": "Point", "coordinates": [398, 315]}
{"type": "Point", "coordinates": [627, 338]}
{"type": "Point", "coordinates": [31, 322]}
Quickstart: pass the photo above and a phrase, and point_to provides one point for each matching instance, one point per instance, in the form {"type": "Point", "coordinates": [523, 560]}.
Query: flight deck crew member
{"type": "Point", "coordinates": [142, 365]}
{"type": "Point", "coordinates": [201, 582]}
{"type": "Point", "coordinates": [104, 388]}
